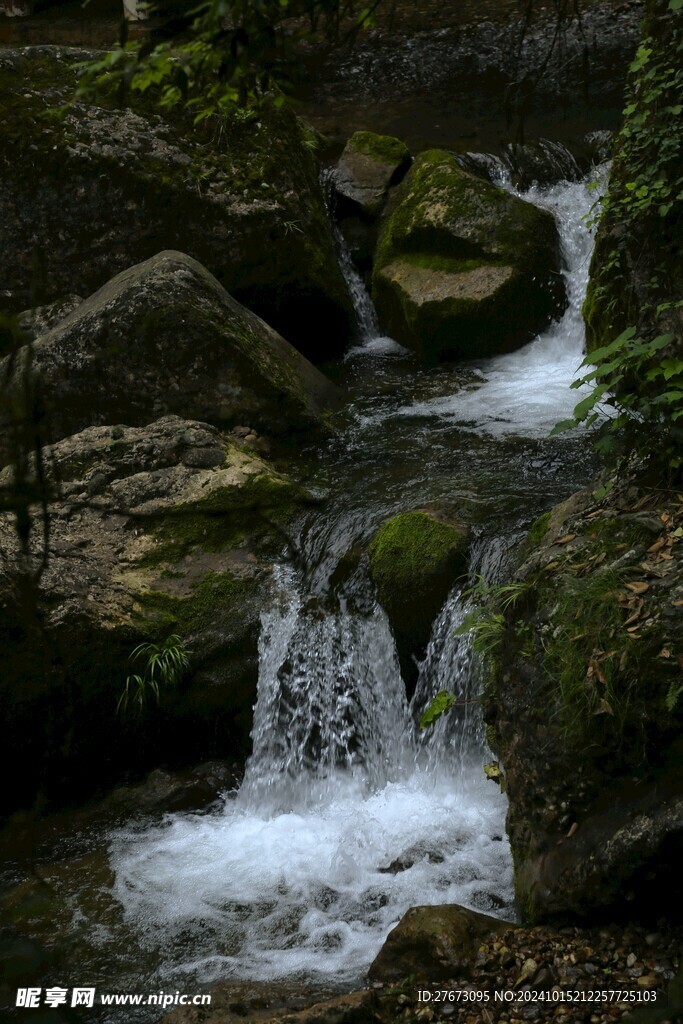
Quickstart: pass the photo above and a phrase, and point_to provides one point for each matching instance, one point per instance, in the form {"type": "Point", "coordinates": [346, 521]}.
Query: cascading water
{"type": "Point", "coordinates": [348, 814]}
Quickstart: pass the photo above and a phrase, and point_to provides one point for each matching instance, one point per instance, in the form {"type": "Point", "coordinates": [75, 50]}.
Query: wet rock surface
{"type": "Point", "coordinates": [415, 557]}
{"type": "Point", "coordinates": [430, 943]}
{"type": "Point", "coordinates": [368, 167]}
{"type": "Point", "coordinates": [453, 257]}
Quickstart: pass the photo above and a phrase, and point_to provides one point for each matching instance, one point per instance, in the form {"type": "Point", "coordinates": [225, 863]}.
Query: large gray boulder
{"type": "Point", "coordinates": [89, 193]}
{"type": "Point", "coordinates": [170, 528]}
{"type": "Point", "coordinates": [165, 337]}
{"type": "Point", "coordinates": [462, 267]}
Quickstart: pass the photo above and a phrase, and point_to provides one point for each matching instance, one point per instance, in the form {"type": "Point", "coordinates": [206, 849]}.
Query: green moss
{"type": "Point", "coordinates": [539, 528]}
{"type": "Point", "coordinates": [444, 264]}
{"type": "Point", "coordinates": [411, 547]}
{"type": "Point", "coordinates": [384, 148]}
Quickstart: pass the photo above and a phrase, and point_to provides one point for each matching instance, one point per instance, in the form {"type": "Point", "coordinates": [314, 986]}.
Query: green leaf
{"type": "Point", "coordinates": [438, 706]}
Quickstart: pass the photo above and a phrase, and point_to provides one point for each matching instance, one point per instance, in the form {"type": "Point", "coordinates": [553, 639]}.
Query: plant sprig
{"type": "Point", "coordinates": [164, 666]}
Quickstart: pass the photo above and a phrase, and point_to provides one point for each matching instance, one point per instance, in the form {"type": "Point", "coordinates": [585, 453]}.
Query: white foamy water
{"type": "Point", "coordinates": [303, 894]}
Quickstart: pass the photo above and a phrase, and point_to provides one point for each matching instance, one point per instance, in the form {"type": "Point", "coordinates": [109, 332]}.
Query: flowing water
{"type": "Point", "coordinates": [348, 814]}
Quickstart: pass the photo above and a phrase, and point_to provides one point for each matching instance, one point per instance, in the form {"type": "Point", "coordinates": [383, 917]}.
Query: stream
{"type": "Point", "coordinates": [348, 813]}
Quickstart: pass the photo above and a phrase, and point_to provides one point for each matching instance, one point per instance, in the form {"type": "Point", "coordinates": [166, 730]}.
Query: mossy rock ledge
{"type": "Point", "coordinates": [98, 188]}
{"type": "Point", "coordinates": [169, 528]}
{"type": "Point", "coordinates": [462, 268]}
{"type": "Point", "coordinates": [415, 559]}
{"type": "Point", "coordinates": [165, 337]}
{"type": "Point", "coordinates": [584, 706]}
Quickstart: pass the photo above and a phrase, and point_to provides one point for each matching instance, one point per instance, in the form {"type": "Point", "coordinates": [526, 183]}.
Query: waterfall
{"type": "Point", "coordinates": [349, 814]}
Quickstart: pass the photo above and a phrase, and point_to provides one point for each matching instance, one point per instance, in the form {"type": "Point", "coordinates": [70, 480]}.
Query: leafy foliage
{"type": "Point", "coordinates": [164, 665]}
{"type": "Point", "coordinates": [235, 53]}
{"type": "Point", "coordinates": [643, 386]}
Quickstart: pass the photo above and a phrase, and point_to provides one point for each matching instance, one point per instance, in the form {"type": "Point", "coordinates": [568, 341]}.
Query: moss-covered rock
{"type": "Point", "coordinates": [165, 337]}
{"type": "Point", "coordinates": [636, 271]}
{"type": "Point", "coordinates": [414, 560]}
{"type": "Point", "coordinates": [463, 268]}
{"type": "Point", "coordinates": [585, 706]}
{"type": "Point", "coordinates": [368, 167]}
{"type": "Point", "coordinates": [100, 188]}
{"type": "Point", "coordinates": [158, 530]}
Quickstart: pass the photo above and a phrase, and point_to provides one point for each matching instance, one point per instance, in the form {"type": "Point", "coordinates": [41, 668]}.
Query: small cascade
{"type": "Point", "coordinates": [342, 822]}
{"type": "Point", "coordinates": [370, 339]}
{"type": "Point", "coordinates": [541, 163]}
{"type": "Point", "coordinates": [331, 700]}
{"type": "Point", "coordinates": [451, 663]}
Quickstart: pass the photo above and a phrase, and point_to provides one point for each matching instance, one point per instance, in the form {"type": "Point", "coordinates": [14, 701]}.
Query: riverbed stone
{"type": "Point", "coordinates": [434, 944]}
{"type": "Point", "coordinates": [166, 529]}
{"type": "Point", "coordinates": [463, 268]}
{"type": "Point", "coordinates": [415, 558]}
{"type": "Point", "coordinates": [98, 187]}
{"type": "Point", "coordinates": [368, 167]}
{"type": "Point", "coordinates": [165, 337]}
{"type": "Point", "coordinates": [584, 706]}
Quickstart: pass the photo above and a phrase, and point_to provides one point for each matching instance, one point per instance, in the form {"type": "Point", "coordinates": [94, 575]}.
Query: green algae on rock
{"type": "Point", "coordinates": [463, 268]}
{"type": "Point", "coordinates": [165, 337]}
{"type": "Point", "coordinates": [98, 188]}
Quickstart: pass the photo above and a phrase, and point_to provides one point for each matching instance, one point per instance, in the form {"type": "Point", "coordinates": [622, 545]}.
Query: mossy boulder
{"type": "Point", "coordinates": [414, 560]}
{"type": "Point", "coordinates": [463, 268]}
{"type": "Point", "coordinates": [170, 528]}
{"type": "Point", "coordinates": [584, 707]}
{"type": "Point", "coordinates": [165, 337]}
{"type": "Point", "coordinates": [368, 167]}
{"type": "Point", "coordinates": [97, 188]}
